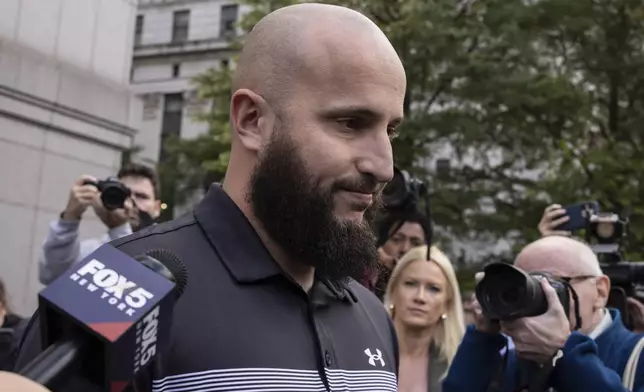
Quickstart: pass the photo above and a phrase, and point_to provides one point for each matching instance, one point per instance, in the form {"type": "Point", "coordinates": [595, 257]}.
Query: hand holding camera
{"type": "Point", "coordinates": [113, 217]}
{"type": "Point", "coordinates": [109, 198]}
{"type": "Point", "coordinates": [81, 196]}
{"type": "Point", "coordinates": [538, 338]}
{"type": "Point", "coordinates": [532, 309]}
{"type": "Point", "coordinates": [481, 321]}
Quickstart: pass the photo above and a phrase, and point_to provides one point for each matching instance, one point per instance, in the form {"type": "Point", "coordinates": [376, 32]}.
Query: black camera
{"type": "Point", "coordinates": [604, 233]}
{"type": "Point", "coordinates": [508, 293]}
{"type": "Point", "coordinates": [113, 192]}
{"type": "Point", "coordinates": [403, 192]}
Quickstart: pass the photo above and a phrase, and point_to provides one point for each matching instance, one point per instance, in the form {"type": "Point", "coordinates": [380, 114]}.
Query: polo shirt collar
{"type": "Point", "coordinates": [234, 238]}
{"type": "Point", "coordinates": [239, 246]}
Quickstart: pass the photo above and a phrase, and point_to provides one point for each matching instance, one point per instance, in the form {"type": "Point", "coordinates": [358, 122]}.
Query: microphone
{"type": "Point", "coordinates": [107, 317]}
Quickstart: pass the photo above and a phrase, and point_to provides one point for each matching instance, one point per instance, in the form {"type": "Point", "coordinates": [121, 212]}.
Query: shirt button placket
{"type": "Point", "coordinates": [328, 360]}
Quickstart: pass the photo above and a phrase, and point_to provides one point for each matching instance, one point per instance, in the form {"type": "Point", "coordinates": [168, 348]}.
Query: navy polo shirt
{"type": "Point", "coordinates": [243, 325]}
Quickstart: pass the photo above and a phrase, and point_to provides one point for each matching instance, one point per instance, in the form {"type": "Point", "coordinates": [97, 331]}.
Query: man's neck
{"type": "Point", "coordinates": [594, 322]}
{"type": "Point", "coordinates": [301, 273]}
{"type": "Point", "coordinates": [413, 342]}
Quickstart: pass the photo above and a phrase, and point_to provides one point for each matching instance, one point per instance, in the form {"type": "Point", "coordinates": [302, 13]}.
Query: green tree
{"type": "Point", "coordinates": [598, 44]}
{"type": "Point", "coordinates": [533, 102]}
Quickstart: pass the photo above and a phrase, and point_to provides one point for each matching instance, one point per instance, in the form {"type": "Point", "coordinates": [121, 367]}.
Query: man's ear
{"type": "Point", "coordinates": [603, 289]}
{"type": "Point", "coordinates": [249, 115]}
{"type": "Point", "coordinates": [157, 209]}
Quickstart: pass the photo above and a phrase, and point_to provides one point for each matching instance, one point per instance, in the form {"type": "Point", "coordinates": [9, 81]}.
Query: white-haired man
{"type": "Point", "coordinates": [588, 356]}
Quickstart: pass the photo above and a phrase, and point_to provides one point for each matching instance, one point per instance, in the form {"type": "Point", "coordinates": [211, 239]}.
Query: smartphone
{"type": "Point", "coordinates": [578, 214]}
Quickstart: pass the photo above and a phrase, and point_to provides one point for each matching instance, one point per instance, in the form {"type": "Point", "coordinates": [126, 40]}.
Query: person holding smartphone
{"type": "Point", "coordinates": [553, 216]}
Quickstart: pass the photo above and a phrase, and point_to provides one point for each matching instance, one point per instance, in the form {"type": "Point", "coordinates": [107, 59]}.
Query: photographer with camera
{"type": "Point", "coordinates": [605, 231]}
{"type": "Point", "coordinates": [400, 232]}
{"type": "Point", "coordinates": [401, 228]}
{"type": "Point", "coordinates": [124, 204]}
{"type": "Point", "coordinates": [552, 304]}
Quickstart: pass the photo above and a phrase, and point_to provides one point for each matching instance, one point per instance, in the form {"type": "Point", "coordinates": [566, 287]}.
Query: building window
{"type": "Point", "coordinates": [171, 123]}
{"type": "Point", "coordinates": [138, 30]}
{"type": "Point", "coordinates": [228, 20]}
{"type": "Point", "coordinates": [225, 64]}
{"type": "Point", "coordinates": [176, 70]}
{"type": "Point", "coordinates": [180, 26]}
{"type": "Point", "coordinates": [170, 128]}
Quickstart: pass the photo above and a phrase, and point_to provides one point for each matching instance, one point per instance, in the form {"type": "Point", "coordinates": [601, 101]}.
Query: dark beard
{"type": "Point", "coordinates": [298, 214]}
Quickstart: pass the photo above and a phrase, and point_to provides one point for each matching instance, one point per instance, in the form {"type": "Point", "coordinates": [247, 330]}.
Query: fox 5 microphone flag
{"type": "Point", "coordinates": [120, 309]}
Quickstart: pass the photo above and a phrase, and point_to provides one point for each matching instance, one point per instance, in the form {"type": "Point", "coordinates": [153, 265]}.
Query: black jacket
{"type": "Point", "coordinates": [11, 333]}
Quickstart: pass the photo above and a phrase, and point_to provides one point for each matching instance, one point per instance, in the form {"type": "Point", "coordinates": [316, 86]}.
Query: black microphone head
{"type": "Point", "coordinates": [169, 265]}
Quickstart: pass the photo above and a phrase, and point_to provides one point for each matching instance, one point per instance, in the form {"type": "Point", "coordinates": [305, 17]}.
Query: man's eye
{"type": "Point", "coordinates": [392, 132]}
{"type": "Point", "coordinates": [351, 123]}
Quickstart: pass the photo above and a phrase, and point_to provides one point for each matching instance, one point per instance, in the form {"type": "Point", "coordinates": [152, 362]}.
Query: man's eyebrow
{"type": "Point", "coordinates": [357, 111]}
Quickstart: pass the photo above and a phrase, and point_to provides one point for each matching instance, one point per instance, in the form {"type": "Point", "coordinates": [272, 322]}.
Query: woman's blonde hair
{"type": "Point", "coordinates": [448, 334]}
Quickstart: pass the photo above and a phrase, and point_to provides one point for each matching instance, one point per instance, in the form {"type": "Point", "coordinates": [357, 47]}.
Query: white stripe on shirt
{"type": "Point", "coordinates": [277, 380]}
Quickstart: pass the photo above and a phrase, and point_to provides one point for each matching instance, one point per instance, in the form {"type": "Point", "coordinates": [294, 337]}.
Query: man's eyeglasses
{"type": "Point", "coordinates": [567, 279]}
{"type": "Point", "coordinates": [570, 279]}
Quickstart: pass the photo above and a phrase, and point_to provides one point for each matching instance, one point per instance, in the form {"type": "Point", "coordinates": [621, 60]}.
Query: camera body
{"type": "Point", "coordinates": [509, 293]}
{"type": "Point", "coordinates": [605, 232]}
{"type": "Point", "coordinates": [113, 192]}
{"type": "Point", "coordinates": [403, 192]}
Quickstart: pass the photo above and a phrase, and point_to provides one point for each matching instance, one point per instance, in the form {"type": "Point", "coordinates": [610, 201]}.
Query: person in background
{"type": "Point", "coordinates": [553, 216]}
{"type": "Point", "coordinates": [584, 350]}
{"type": "Point", "coordinates": [397, 234]}
{"type": "Point", "coordinates": [62, 248]}
{"type": "Point", "coordinates": [423, 299]}
{"type": "Point", "coordinates": [12, 327]}
{"type": "Point", "coordinates": [468, 311]}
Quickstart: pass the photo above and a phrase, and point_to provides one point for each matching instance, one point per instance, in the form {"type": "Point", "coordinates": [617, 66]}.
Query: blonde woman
{"type": "Point", "coordinates": [423, 299]}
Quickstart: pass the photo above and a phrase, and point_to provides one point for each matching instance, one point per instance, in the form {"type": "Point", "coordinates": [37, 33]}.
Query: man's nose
{"type": "Point", "coordinates": [376, 157]}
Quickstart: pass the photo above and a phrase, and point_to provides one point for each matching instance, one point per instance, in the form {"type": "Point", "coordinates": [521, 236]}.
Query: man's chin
{"type": "Point", "coordinates": [135, 223]}
{"type": "Point", "coordinates": [351, 217]}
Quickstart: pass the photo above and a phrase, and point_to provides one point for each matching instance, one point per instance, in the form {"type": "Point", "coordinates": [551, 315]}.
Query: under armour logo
{"type": "Point", "coordinates": [374, 357]}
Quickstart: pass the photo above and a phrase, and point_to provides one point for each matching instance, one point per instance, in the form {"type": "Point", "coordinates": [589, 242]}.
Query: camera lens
{"type": "Point", "coordinates": [507, 293]}
{"type": "Point", "coordinates": [510, 295]}
{"type": "Point", "coordinates": [113, 196]}
{"type": "Point", "coordinates": [395, 192]}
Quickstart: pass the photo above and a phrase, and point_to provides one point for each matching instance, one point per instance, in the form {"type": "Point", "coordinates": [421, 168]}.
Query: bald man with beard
{"type": "Point", "coordinates": [587, 356]}
{"type": "Point", "coordinates": [271, 302]}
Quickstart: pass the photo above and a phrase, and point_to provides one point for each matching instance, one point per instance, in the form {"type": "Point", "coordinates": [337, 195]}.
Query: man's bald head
{"type": "Point", "coordinates": [292, 45]}
{"type": "Point", "coordinates": [561, 255]}
{"type": "Point", "coordinates": [574, 261]}
{"type": "Point", "coordinates": [318, 94]}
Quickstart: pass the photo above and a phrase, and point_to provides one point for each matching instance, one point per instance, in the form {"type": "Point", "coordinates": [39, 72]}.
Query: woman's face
{"type": "Point", "coordinates": [420, 296]}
